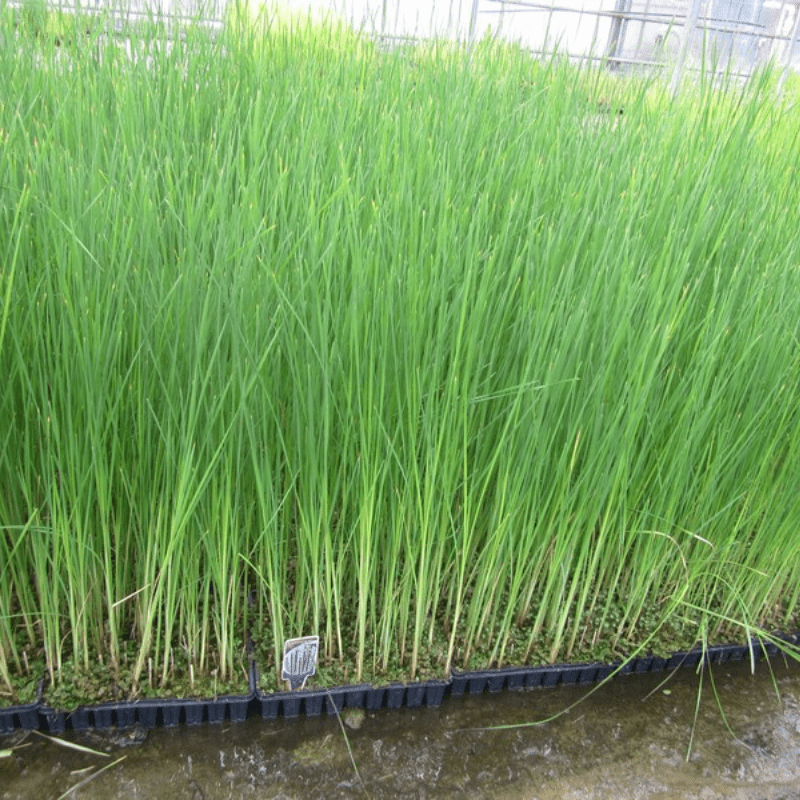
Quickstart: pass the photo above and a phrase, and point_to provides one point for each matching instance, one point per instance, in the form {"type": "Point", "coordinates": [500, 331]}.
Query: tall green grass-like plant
{"type": "Point", "coordinates": [419, 350]}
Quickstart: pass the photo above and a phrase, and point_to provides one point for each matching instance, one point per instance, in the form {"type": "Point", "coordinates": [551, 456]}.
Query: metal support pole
{"type": "Point", "coordinates": [473, 21]}
{"type": "Point", "coordinates": [686, 39]}
{"type": "Point", "coordinates": [789, 50]}
{"type": "Point", "coordinates": [615, 37]}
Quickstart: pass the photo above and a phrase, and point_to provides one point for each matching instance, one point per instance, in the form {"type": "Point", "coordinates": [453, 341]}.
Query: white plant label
{"type": "Point", "coordinates": [299, 660]}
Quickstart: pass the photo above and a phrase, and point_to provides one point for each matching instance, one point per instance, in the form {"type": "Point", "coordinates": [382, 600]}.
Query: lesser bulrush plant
{"type": "Point", "coordinates": [423, 353]}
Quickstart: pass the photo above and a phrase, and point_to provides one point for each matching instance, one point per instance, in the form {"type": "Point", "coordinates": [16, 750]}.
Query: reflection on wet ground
{"type": "Point", "coordinates": [632, 739]}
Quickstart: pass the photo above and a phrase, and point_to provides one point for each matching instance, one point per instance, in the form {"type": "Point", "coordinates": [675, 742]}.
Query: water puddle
{"type": "Point", "coordinates": [629, 739]}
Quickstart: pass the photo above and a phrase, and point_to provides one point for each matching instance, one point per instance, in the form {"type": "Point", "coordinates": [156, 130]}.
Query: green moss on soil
{"type": "Point", "coordinates": [77, 685]}
{"type": "Point", "coordinates": [23, 685]}
{"type": "Point", "coordinates": [608, 642]}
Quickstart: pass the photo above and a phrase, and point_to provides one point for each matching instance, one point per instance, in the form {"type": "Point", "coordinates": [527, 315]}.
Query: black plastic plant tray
{"type": "Point", "coordinates": [25, 717]}
{"type": "Point", "coordinates": [149, 713]}
{"type": "Point", "coordinates": [514, 678]}
{"type": "Point", "coordinates": [315, 701]}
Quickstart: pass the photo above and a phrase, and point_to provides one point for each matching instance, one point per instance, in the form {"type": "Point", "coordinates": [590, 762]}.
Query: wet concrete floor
{"type": "Point", "coordinates": [632, 738]}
